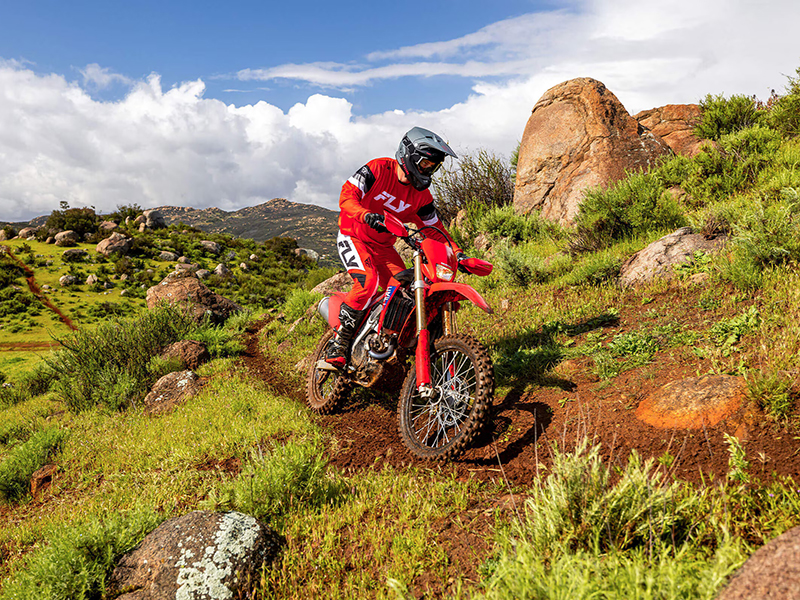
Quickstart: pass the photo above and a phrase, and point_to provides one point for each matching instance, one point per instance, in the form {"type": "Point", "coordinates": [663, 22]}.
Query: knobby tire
{"type": "Point", "coordinates": [326, 391]}
{"type": "Point", "coordinates": [442, 427]}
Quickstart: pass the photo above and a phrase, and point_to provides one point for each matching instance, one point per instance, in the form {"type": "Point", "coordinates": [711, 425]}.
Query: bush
{"type": "Point", "coordinates": [721, 116]}
{"type": "Point", "coordinates": [110, 365]}
{"type": "Point", "coordinates": [784, 115]}
{"type": "Point", "coordinates": [78, 559]}
{"type": "Point", "coordinates": [271, 485]}
{"type": "Point", "coordinates": [578, 508]}
{"type": "Point", "coordinates": [634, 205]}
{"type": "Point", "coordinates": [484, 179]}
{"type": "Point", "coordinates": [24, 460]}
{"type": "Point", "coordinates": [595, 270]}
{"type": "Point", "coordinates": [298, 302]}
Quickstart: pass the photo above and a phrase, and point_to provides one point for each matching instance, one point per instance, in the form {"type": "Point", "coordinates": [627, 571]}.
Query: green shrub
{"type": "Point", "coordinates": [483, 179]}
{"type": "Point", "coordinates": [111, 362]}
{"type": "Point", "coordinates": [287, 477]}
{"type": "Point", "coordinates": [578, 507]}
{"type": "Point", "coordinates": [767, 234]}
{"type": "Point", "coordinates": [24, 460]}
{"type": "Point", "coordinates": [784, 115]}
{"type": "Point", "coordinates": [721, 116]}
{"type": "Point", "coordinates": [595, 269]}
{"type": "Point", "coordinates": [637, 204]}
{"type": "Point", "coordinates": [78, 558]}
{"type": "Point", "coordinates": [772, 392]}
{"type": "Point", "coordinates": [298, 302]}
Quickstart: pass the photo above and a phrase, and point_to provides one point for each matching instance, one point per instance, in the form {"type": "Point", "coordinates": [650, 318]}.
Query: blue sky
{"type": "Point", "coordinates": [232, 104]}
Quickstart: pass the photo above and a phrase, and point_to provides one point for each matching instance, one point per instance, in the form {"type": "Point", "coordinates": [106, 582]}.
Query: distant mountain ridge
{"type": "Point", "coordinates": [312, 226]}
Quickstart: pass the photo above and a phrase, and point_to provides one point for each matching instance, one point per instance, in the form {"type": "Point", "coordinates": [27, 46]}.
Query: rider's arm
{"type": "Point", "coordinates": [353, 191]}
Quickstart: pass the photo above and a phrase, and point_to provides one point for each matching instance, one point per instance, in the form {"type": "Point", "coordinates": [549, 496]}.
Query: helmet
{"type": "Point", "coordinates": [420, 154]}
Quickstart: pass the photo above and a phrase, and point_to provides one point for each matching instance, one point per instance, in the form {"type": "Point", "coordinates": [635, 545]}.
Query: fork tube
{"type": "Point", "coordinates": [449, 319]}
{"type": "Point", "coordinates": [423, 358]}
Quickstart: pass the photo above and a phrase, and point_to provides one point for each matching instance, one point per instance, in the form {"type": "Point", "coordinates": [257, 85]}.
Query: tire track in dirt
{"type": "Point", "coordinates": [34, 288]}
{"type": "Point", "coordinates": [516, 446]}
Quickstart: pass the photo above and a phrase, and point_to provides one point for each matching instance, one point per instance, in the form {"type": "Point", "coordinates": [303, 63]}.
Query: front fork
{"type": "Point", "coordinates": [423, 353]}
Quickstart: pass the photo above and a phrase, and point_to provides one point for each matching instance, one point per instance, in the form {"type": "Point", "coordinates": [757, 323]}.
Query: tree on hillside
{"type": "Point", "coordinates": [79, 220]}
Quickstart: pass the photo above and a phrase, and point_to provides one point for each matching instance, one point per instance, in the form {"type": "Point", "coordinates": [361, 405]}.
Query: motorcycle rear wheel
{"type": "Point", "coordinates": [325, 390]}
{"type": "Point", "coordinates": [442, 427]}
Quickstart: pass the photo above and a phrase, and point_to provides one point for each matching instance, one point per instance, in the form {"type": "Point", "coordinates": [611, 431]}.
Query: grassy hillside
{"type": "Point", "coordinates": [566, 494]}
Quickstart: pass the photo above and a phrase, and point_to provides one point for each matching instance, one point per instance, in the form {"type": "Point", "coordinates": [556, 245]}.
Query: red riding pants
{"type": "Point", "coordinates": [369, 265]}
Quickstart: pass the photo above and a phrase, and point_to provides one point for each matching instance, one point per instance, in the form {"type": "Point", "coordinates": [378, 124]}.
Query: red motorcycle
{"type": "Point", "coordinates": [445, 396]}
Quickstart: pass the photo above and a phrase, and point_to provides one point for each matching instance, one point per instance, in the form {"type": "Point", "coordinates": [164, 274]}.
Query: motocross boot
{"type": "Point", "coordinates": [349, 318]}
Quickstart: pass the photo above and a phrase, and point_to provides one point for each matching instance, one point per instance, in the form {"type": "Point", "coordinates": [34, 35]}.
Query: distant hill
{"type": "Point", "coordinates": [312, 226]}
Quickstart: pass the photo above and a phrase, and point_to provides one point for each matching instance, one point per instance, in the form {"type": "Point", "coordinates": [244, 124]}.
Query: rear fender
{"type": "Point", "coordinates": [463, 290]}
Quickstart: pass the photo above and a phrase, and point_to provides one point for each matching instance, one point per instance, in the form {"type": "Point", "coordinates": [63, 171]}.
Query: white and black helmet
{"type": "Point", "coordinates": [420, 154]}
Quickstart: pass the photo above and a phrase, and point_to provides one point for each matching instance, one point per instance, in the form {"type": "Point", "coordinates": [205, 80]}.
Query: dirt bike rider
{"type": "Point", "coordinates": [396, 186]}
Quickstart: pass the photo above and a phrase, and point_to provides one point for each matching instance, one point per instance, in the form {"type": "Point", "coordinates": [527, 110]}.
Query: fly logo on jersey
{"type": "Point", "coordinates": [400, 207]}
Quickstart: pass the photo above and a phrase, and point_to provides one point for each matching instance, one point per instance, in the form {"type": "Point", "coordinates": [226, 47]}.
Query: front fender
{"type": "Point", "coordinates": [464, 290]}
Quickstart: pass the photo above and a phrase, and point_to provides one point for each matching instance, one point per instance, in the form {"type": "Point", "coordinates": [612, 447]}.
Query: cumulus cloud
{"type": "Point", "coordinates": [103, 77]}
{"type": "Point", "coordinates": [176, 146]}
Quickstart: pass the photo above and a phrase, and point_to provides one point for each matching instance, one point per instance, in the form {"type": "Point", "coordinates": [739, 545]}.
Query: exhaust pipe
{"type": "Point", "coordinates": [322, 308]}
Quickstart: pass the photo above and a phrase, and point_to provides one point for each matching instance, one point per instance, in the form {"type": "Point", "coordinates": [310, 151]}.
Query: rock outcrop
{"type": "Point", "coordinates": [185, 289]}
{"type": "Point", "coordinates": [66, 238]}
{"type": "Point", "coordinates": [201, 555]}
{"type": "Point", "coordinates": [153, 219]}
{"type": "Point", "coordinates": [578, 136]}
{"type": "Point", "coordinates": [117, 242]}
{"type": "Point", "coordinates": [674, 123]}
{"type": "Point", "coordinates": [658, 260]}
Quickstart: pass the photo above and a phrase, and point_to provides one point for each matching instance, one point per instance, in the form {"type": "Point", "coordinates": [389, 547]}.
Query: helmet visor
{"type": "Point", "coordinates": [427, 167]}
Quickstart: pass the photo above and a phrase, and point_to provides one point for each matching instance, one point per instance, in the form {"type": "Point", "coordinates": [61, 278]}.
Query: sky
{"type": "Point", "coordinates": [232, 104]}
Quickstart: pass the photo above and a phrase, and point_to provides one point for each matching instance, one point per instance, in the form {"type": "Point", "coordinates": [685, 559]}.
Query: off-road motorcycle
{"type": "Point", "coordinates": [446, 395]}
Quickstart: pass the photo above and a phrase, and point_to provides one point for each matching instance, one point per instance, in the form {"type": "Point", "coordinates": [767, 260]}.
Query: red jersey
{"type": "Point", "coordinates": [375, 188]}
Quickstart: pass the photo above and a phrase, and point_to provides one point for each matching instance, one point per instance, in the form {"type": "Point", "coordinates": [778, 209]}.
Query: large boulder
{"type": "Point", "coordinates": [201, 555]}
{"type": "Point", "coordinates": [211, 247]}
{"type": "Point", "coordinates": [108, 226]}
{"type": "Point", "coordinates": [27, 232]}
{"type": "Point", "coordinates": [674, 123]}
{"type": "Point", "coordinates": [74, 255]}
{"type": "Point", "coordinates": [185, 289]}
{"type": "Point", "coordinates": [578, 136]}
{"type": "Point", "coordinates": [154, 219]}
{"type": "Point", "coordinates": [659, 259]}
{"type": "Point", "coordinates": [117, 242]}
{"type": "Point", "coordinates": [66, 238]}
{"type": "Point", "coordinates": [772, 572]}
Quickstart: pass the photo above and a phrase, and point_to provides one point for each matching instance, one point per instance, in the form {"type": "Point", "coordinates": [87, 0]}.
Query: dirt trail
{"type": "Point", "coordinates": [517, 446]}
{"type": "Point", "coordinates": [36, 291]}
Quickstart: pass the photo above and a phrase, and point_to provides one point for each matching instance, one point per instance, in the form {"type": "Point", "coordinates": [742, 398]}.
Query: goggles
{"type": "Point", "coordinates": [427, 167]}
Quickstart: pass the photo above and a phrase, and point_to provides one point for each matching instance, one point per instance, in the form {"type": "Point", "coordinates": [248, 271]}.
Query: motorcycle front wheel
{"type": "Point", "coordinates": [325, 390]}
{"type": "Point", "coordinates": [441, 426]}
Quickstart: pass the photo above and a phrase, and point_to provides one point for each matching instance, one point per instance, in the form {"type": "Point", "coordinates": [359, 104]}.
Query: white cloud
{"type": "Point", "coordinates": [102, 77]}
{"type": "Point", "coordinates": [177, 146]}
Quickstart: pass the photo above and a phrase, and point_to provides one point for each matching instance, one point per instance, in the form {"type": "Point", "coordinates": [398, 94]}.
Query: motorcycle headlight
{"type": "Point", "coordinates": [444, 272]}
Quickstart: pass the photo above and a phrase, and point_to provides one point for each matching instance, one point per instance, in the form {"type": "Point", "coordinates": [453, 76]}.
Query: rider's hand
{"type": "Point", "coordinates": [459, 257]}
{"type": "Point", "coordinates": [375, 221]}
